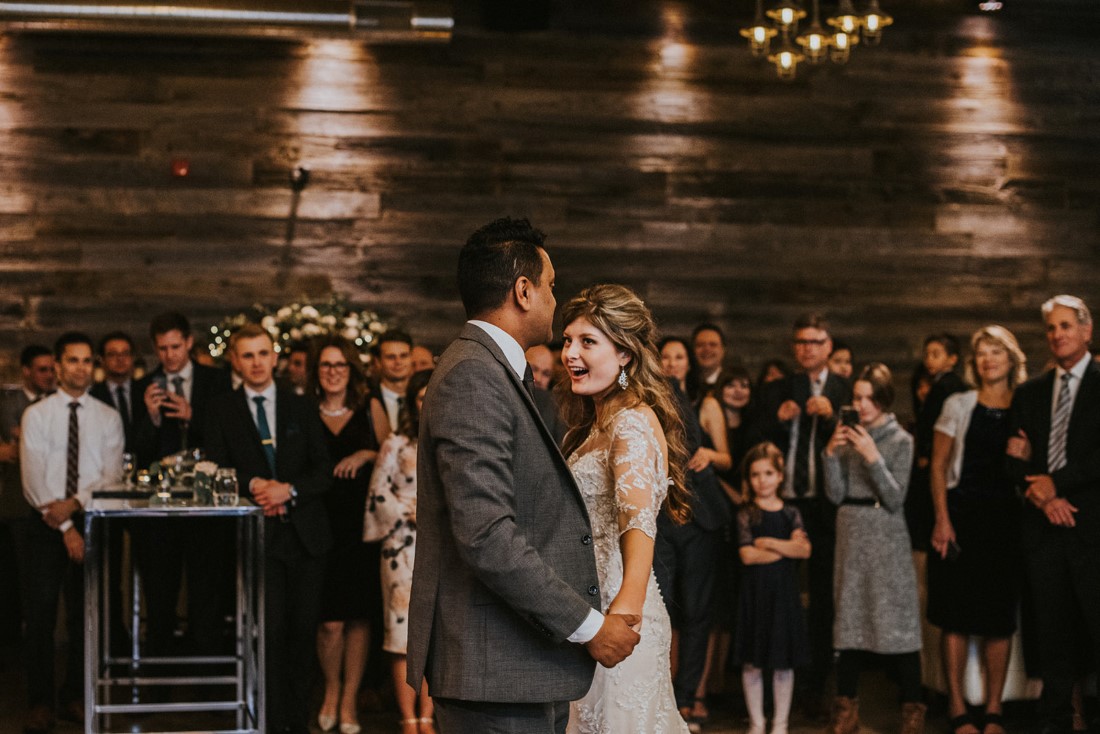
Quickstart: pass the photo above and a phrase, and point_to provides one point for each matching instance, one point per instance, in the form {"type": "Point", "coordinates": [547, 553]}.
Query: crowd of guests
{"type": "Point", "coordinates": [815, 514]}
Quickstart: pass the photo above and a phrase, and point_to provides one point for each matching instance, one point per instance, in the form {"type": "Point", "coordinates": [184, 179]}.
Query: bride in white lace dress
{"type": "Point", "coordinates": [623, 429]}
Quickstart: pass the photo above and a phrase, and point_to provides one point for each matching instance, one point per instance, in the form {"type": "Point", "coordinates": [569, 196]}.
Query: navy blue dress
{"type": "Point", "coordinates": [771, 626]}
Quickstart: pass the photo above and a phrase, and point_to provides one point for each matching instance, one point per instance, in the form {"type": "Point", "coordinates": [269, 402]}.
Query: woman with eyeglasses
{"type": "Point", "coordinates": [352, 590]}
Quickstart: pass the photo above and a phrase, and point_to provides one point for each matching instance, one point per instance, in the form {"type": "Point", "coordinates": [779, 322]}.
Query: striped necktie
{"type": "Point", "coordinates": [1059, 427]}
{"type": "Point", "coordinates": [72, 464]}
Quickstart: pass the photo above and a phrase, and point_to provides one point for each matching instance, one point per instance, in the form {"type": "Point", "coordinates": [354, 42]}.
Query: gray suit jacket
{"type": "Point", "coordinates": [505, 570]}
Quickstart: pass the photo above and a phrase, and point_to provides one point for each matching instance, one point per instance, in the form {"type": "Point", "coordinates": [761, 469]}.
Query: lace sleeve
{"type": "Point", "coordinates": [641, 479]}
{"type": "Point", "coordinates": [744, 528]}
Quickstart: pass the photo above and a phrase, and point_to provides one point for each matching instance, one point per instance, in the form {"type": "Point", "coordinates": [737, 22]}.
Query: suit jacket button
{"type": "Point", "coordinates": [586, 539]}
{"type": "Point", "coordinates": [593, 590]}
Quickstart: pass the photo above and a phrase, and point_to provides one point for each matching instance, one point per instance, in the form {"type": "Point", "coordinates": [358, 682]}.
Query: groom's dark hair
{"type": "Point", "coordinates": [493, 259]}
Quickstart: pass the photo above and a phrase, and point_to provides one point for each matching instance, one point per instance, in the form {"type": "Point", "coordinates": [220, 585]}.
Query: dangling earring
{"type": "Point", "coordinates": [622, 377]}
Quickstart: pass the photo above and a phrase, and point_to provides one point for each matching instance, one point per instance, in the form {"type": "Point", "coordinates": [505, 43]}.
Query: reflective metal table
{"type": "Point", "coordinates": [105, 673]}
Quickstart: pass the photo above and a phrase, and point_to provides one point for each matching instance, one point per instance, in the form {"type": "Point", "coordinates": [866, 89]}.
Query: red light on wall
{"type": "Point", "coordinates": [180, 167]}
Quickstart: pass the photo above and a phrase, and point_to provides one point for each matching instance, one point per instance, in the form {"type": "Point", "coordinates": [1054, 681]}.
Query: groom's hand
{"type": "Point", "coordinates": [615, 640]}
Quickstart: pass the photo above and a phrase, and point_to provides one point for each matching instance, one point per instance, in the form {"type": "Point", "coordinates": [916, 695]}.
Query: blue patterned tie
{"type": "Point", "coordinates": [1059, 427]}
{"type": "Point", "coordinates": [265, 433]}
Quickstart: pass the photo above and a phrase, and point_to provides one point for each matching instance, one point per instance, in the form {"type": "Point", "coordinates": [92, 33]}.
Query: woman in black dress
{"type": "Point", "coordinates": [352, 588]}
{"type": "Point", "coordinates": [974, 569]}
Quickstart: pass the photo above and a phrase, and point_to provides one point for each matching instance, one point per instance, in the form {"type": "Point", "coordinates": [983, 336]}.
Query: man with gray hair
{"type": "Point", "coordinates": [1055, 457]}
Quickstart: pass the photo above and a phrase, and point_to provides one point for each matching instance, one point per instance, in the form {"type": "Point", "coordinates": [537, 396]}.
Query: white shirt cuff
{"type": "Point", "coordinates": [588, 629]}
{"type": "Point", "coordinates": [64, 527]}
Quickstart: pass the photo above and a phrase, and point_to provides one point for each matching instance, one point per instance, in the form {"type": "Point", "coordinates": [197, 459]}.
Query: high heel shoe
{"type": "Point", "coordinates": [350, 727]}
{"type": "Point", "coordinates": [327, 722]}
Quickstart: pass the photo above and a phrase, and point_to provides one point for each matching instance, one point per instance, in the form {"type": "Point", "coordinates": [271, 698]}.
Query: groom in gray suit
{"type": "Point", "coordinates": [504, 622]}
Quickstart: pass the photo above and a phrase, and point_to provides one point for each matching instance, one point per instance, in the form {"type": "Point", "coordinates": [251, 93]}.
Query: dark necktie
{"type": "Point", "coordinates": [123, 408]}
{"type": "Point", "coordinates": [177, 388]}
{"type": "Point", "coordinates": [1059, 427]}
{"type": "Point", "coordinates": [529, 381]}
{"type": "Point", "coordinates": [72, 463]}
{"type": "Point", "coordinates": [265, 433]}
{"type": "Point", "coordinates": [804, 474]}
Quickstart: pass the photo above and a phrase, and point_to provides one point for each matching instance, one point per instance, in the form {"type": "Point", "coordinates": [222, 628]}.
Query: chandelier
{"type": "Point", "coordinates": [815, 43]}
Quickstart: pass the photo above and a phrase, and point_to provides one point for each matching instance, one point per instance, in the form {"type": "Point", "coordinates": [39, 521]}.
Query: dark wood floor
{"type": "Point", "coordinates": [878, 713]}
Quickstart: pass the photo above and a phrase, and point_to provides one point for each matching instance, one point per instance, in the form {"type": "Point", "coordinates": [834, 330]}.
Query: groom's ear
{"type": "Point", "coordinates": [521, 293]}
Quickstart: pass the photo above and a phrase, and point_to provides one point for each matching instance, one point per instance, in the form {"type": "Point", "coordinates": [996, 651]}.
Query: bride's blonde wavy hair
{"type": "Point", "coordinates": [624, 318]}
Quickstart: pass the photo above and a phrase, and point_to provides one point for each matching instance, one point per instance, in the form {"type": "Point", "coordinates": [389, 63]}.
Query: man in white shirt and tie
{"type": "Point", "coordinates": [798, 413]}
{"type": "Point", "coordinates": [394, 354]}
{"type": "Point", "coordinates": [71, 445]}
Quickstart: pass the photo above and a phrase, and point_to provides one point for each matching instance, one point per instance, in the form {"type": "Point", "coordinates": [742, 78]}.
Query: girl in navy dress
{"type": "Point", "coordinates": [771, 630]}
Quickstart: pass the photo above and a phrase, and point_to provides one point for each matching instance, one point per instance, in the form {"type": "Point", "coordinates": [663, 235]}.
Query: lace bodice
{"type": "Point", "coordinates": [623, 477]}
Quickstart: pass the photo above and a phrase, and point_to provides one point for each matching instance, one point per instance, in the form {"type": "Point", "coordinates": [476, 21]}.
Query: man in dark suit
{"type": "Point", "coordinates": [505, 590]}
{"type": "Point", "coordinates": [275, 441]}
{"type": "Point", "coordinates": [1055, 456]}
{"type": "Point", "coordinates": [39, 376]}
{"type": "Point", "coordinates": [798, 414]}
{"type": "Point", "coordinates": [175, 398]}
{"type": "Point", "coordinates": [118, 389]}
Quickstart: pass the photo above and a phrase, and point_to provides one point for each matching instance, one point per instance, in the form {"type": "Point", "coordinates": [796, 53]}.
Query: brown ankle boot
{"type": "Point", "coordinates": [845, 718]}
{"type": "Point", "coordinates": [912, 718]}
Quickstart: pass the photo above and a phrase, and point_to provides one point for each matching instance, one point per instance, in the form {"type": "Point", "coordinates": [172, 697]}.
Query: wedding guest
{"type": "Point", "coordinates": [175, 399]}
{"type": "Point", "coordinates": [1054, 428]}
{"type": "Point", "coordinates": [735, 393]}
{"type": "Point", "coordinates": [541, 360]}
{"type": "Point", "coordinates": [708, 344]}
{"type": "Point", "coordinates": [391, 518]}
{"type": "Point", "coordinates": [798, 414]}
{"type": "Point", "coordinates": [687, 553]}
{"type": "Point", "coordinates": [941, 355]}
{"type": "Point", "coordinates": [118, 389]}
{"type": "Point", "coordinates": [296, 371]}
{"type": "Point", "coordinates": [866, 467]}
{"type": "Point", "coordinates": [393, 351]}
{"type": "Point", "coordinates": [771, 629]}
{"type": "Point", "coordinates": [350, 595]}
{"type": "Point", "coordinates": [421, 358]}
{"type": "Point", "coordinates": [974, 567]}
{"type": "Point", "coordinates": [275, 440]}
{"type": "Point", "coordinates": [841, 359]}
{"type": "Point", "coordinates": [71, 445]}
{"type": "Point", "coordinates": [39, 376]}
{"type": "Point", "coordinates": [772, 370]}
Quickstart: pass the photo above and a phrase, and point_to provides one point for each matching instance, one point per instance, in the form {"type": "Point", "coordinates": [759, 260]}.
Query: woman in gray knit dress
{"type": "Point", "coordinates": [875, 587]}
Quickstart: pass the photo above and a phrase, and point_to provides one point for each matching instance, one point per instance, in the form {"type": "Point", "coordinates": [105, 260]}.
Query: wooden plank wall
{"type": "Point", "coordinates": [941, 181]}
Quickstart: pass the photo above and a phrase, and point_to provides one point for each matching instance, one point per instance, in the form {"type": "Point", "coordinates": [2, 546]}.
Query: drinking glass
{"type": "Point", "coordinates": [226, 490]}
{"type": "Point", "coordinates": [128, 466]}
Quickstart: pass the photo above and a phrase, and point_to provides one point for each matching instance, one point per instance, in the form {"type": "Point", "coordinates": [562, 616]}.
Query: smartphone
{"type": "Point", "coordinates": [953, 551]}
{"type": "Point", "coordinates": [849, 416]}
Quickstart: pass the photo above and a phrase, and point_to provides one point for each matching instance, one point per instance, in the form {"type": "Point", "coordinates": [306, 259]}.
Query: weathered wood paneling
{"type": "Point", "coordinates": [941, 181]}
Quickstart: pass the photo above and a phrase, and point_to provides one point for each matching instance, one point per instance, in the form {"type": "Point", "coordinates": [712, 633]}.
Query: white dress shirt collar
{"type": "Point", "coordinates": [513, 352]}
{"type": "Point", "coordinates": [1077, 370]}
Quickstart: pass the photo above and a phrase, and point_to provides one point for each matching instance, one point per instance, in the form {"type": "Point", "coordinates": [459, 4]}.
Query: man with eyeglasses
{"type": "Point", "coordinates": [798, 414]}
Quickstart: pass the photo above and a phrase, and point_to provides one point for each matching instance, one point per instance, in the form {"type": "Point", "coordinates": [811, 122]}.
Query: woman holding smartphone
{"type": "Point", "coordinates": [974, 566]}
{"type": "Point", "coordinates": [875, 587]}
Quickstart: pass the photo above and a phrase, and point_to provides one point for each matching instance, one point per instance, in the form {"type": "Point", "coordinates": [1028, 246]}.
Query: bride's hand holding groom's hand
{"type": "Point", "coordinates": [615, 640]}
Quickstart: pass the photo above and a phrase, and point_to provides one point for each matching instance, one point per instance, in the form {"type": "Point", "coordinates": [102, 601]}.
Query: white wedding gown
{"type": "Point", "coordinates": [622, 476]}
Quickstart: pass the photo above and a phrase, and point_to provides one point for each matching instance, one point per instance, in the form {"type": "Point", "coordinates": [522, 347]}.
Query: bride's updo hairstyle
{"type": "Point", "coordinates": [624, 318]}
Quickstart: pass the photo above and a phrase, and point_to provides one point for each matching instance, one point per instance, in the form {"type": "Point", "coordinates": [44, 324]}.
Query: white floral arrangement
{"type": "Point", "coordinates": [303, 320]}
